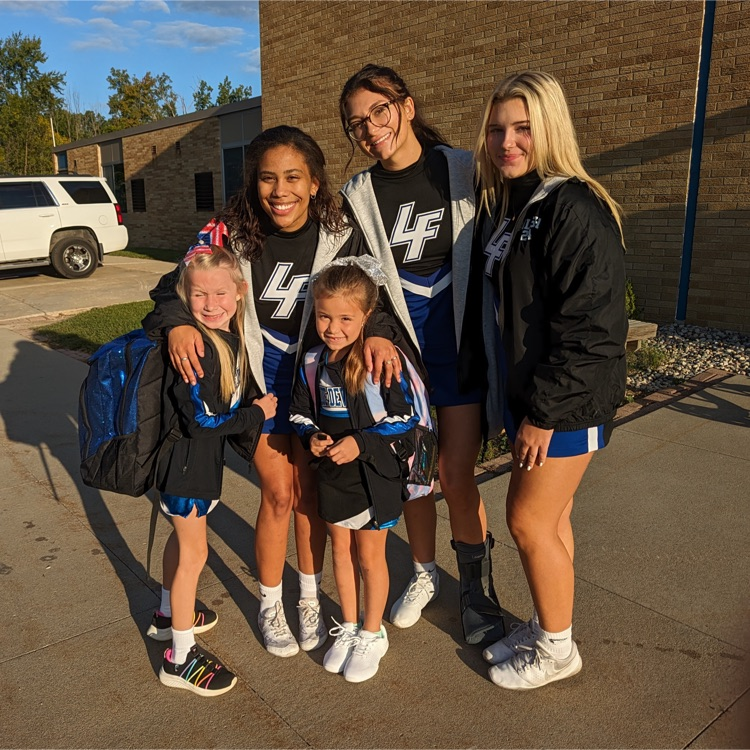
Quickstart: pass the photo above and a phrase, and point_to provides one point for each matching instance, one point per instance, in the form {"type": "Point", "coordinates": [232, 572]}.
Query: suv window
{"type": "Point", "coordinates": [85, 192]}
{"type": "Point", "coordinates": [24, 195]}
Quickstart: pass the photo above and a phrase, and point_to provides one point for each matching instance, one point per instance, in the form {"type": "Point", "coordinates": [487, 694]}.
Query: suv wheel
{"type": "Point", "coordinates": [74, 257]}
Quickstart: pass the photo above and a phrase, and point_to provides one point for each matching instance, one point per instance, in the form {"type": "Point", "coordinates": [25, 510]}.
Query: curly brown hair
{"type": "Point", "coordinates": [242, 212]}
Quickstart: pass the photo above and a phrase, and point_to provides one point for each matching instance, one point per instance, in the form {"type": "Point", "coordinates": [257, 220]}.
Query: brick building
{"type": "Point", "coordinates": [630, 70]}
{"type": "Point", "coordinates": [170, 176]}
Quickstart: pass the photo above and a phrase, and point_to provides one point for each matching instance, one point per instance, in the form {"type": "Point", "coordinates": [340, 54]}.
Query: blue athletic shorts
{"type": "Point", "coordinates": [573, 443]}
{"type": "Point", "coordinates": [430, 303]}
{"type": "Point", "coordinates": [278, 370]}
{"type": "Point", "coordinates": [173, 505]}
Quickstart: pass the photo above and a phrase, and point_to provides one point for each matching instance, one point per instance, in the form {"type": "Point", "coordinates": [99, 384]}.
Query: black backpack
{"type": "Point", "coordinates": [124, 419]}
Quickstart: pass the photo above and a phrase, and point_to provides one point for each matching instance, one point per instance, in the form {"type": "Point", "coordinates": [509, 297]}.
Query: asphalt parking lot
{"type": "Point", "coordinates": [39, 293]}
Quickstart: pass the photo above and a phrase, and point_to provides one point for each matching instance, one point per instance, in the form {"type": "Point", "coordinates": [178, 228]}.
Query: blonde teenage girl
{"type": "Point", "coordinates": [550, 245]}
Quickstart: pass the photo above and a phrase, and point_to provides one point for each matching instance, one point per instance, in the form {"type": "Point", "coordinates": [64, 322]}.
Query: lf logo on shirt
{"type": "Point", "coordinates": [497, 248]}
{"type": "Point", "coordinates": [425, 228]}
{"type": "Point", "coordinates": [286, 293]}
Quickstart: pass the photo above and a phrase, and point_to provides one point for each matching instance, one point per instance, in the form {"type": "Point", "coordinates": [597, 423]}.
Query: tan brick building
{"type": "Point", "coordinates": [630, 70]}
{"type": "Point", "coordinates": [170, 176]}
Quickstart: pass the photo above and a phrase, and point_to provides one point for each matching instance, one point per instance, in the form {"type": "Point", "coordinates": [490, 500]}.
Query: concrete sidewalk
{"type": "Point", "coordinates": [662, 600]}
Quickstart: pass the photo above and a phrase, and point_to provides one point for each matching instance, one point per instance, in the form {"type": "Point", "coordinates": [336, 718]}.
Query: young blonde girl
{"type": "Point", "coordinates": [361, 435]}
{"type": "Point", "coordinates": [189, 478]}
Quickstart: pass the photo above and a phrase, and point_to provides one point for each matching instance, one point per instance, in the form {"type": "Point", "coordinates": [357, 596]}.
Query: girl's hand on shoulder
{"type": "Point", "coordinates": [319, 443]}
{"type": "Point", "coordinates": [268, 403]}
{"type": "Point", "coordinates": [343, 451]}
{"type": "Point", "coordinates": [381, 357]}
{"type": "Point", "coordinates": [185, 346]}
{"type": "Point", "coordinates": [531, 445]}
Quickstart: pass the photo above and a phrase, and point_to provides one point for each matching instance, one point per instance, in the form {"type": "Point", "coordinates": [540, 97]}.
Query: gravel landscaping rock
{"type": "Point", "coordinates": [690, 350]}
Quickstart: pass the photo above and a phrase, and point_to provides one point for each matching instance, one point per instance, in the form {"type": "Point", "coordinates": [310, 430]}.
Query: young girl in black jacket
{"type": "Point", "coordinates": [189, 477]}
{"type": "Point", "coordinates": [550, 247]}
{"type": "Point", "coordinates": [361, 436]}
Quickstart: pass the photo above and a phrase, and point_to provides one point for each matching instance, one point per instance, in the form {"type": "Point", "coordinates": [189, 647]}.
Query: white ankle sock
{"type": "Point", "coordinates": [309, 585]}
{"type": "Point", "coordinates": [558, 644]}
{"type": "Point", "coordinates": [368, 634]}
{"type": "Point", "coordinates": [182, 642]}
{"type": "Point", "coordinates": [269, 596]}
{"type": "Point", "coordinates": [427, 567]}
{"type": "Point", "coordinates": [165, 607]}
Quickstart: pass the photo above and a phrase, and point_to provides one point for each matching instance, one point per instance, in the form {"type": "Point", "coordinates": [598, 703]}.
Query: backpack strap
{"type": "Point", "coordinates": [310, 365]}
{"type": "Point", "coordinates": [421, 401]}
{"type": "Point", "coordinates": [172, 436]}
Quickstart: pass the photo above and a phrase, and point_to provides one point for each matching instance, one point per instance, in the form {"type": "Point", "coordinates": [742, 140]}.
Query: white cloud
{"type": "Point", "coordinates": [226, 8]}
{"type": "Point", "coordinates": [106, 34]}
{"type": "Point", "coordinates": [160, 6]}
{"type": "Point", "coordinates": [112, 6]}
{"type": "Point", "coordinates": [44, 7]}
{"type": "Point", "coordinates": [251, 60]}
{"type": "Point", "coordinates": [197, 36]}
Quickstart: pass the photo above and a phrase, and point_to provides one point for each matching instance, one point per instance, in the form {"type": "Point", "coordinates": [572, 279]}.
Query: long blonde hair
{"type": "Point", "coordinates": [555, 146]}
{"type": "Point", "coordinates": [352, 282]}
{"type": "Point", "coordinates": [216, 258]}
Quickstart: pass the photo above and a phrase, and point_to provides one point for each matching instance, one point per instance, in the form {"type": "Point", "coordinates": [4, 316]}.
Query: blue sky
{"type": "Point", "coordinates": [186, 39]}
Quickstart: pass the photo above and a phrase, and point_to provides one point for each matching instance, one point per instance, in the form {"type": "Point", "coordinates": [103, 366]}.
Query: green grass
{"type": "Point", "coordinates": [152, 253]}
{"type": "Point", "coordinates": [87, 331]}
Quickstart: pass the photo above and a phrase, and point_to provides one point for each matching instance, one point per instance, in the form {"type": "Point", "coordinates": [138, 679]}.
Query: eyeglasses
{"type": "Point", "coordinates": [380, 116]}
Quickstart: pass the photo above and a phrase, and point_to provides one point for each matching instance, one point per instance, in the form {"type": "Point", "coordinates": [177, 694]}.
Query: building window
{"type": "Point", "coordinates": [204, 191]}
{"type": "Point", "coordinates": [113, 170]}
{"type": "Point", "coordinates": [234, 171]}
{"type": "Point", "coordinates": [237, 131]}
{"type": "Point", "coordinates": [62, 162]}
{"type": "Point", "coordinates": [138, 193]}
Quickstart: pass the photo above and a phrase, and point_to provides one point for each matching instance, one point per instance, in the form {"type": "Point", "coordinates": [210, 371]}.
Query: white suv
{"type": "Point", "coordinates": [69, 221]}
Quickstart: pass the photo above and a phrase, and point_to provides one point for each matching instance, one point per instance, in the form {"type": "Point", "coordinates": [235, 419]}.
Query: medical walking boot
{"type": "Point", "coordinates": [481, 618]}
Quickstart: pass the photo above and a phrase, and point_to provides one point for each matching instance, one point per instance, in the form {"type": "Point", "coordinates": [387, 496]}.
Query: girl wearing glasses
{"type": "Point", "coordinates": [549, 245]}
{"type": "Point", "coordinates": [415, 206]}
{"type": "Point", "coordinates": [284, 225]}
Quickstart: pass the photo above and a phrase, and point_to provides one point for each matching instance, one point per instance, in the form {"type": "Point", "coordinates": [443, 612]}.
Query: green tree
{"type": "Point", "coordinates": [202, 96]}
{"type": "Point", "coordinates": [136, 101]}
{"type": "Point", "coordinates": [227, 93]}
{"type": "Point", "coordinates": [28, 98]}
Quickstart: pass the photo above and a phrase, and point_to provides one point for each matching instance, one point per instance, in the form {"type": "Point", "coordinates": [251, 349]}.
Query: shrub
{"type": "Point", "coordinates": [629, 299]}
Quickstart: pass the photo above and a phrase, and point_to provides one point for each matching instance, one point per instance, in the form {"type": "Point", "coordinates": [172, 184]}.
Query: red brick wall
{"type": "Point", "coordinates": [630, 70]}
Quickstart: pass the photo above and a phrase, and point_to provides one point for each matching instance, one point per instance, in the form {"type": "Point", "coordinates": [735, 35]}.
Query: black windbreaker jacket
{"type": "Point", "coordinates": [194, 465]}
{"type": "Point", "coordinates": [562, 310]}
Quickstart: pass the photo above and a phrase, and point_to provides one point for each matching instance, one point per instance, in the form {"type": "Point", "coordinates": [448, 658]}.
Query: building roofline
{"type": "Point", "coordinates": [203, 114]}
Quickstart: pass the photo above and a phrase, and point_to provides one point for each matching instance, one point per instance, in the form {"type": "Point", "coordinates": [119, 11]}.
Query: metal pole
{"type": "Point", "coordinates": [696, 152]}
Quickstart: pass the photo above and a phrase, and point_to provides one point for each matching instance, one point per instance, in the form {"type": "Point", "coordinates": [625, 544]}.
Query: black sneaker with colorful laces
{"type": "Point", "coordinates": [202, 673]}
{"type": "Point", "coordinates": [160, 628]}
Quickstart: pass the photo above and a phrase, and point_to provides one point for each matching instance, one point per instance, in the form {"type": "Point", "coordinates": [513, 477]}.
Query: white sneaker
{"type": "Point", "coordinates": [277, 637]}
{"type": "Point", "coordinates": [421, 590]}
{"type": "Point", "coordinates": [312, 629]}
{"type": "Point", "coordinates": [346, 640]}
{"type": "Point", "coordinates": [533, 667]}
{"type": "Point", "coordinates": [506, 648]}
{"type": "Point", "coordinates": [365, 659]}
